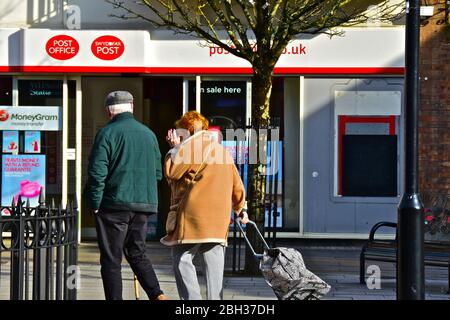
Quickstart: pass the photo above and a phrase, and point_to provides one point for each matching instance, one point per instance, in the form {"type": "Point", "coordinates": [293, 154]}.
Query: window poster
{"type": "Point", "coordinates": [32, 142]}
{"type": "Point", "coordinates": [10, 141]}
{"type": "Point", "coordinates": [22, 175]}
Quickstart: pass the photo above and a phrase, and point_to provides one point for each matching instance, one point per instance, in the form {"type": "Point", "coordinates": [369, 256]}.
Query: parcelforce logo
{"type": "Point", "coordinates": [4, 115]}
{"type": "Point", "coordinates": [107, 47]}
{"type": "Point", "coordinates": [62, 47]}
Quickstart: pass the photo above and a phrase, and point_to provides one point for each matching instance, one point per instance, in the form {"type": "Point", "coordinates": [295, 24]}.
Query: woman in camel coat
{"type": "Point", "coordinates": [205, 188]}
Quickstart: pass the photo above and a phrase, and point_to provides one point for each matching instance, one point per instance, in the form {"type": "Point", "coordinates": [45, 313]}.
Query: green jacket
{"type": "Point", "coordinates": [124, 166]}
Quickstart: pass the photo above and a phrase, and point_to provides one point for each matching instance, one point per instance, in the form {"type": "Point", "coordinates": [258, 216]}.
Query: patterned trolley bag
{"type": "Point", "coordinates": [285, 272]}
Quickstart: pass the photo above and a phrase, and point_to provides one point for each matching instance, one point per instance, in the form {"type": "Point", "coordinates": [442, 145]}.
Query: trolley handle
{"type": "Point", "coordinates": [257, 255]}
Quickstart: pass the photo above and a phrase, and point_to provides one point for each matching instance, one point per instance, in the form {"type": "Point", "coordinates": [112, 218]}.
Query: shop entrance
{"type": "Point", "coordinates": [162, 105]}
{"type": "Point", "coordinates": [95, 89]}
{"type": "Point", "coordinates": [157, 104]}
{"type": "Point", "coordinates": [224, 102]}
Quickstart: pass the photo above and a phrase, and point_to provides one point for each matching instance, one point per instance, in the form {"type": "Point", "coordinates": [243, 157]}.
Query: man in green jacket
{"type": "Point", "coordinates": [124, 167]}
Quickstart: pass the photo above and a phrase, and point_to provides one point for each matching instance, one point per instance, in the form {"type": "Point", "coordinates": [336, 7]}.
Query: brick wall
{"type": "Point", "coordinates": [434, 132]}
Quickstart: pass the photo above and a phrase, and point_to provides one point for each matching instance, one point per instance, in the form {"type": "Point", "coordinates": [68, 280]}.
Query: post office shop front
{"type": "Point", "coordinates": [339, 102]}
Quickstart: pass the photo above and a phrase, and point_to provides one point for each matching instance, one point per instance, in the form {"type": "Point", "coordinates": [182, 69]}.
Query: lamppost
{"type": "Point", "coordinates": [410, 267]}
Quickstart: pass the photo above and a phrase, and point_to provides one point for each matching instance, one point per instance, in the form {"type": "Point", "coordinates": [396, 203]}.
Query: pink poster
{"type": "Point", "coordinates": [32, 142]}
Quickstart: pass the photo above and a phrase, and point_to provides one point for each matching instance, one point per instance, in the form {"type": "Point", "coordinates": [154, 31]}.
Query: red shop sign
{"type": "Point", "coordinates": [62, 47]}
{"type": "Point", "coordinates": [107, 47]}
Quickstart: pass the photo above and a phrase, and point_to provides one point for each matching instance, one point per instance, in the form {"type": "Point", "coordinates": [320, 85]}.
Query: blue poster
{"type": "Point", "coordinates": [22, 175]}
{"type": "Point", "coordinates": [10, 141]}
{"type": "Point", "coordinates": [273, 170]}
{"type": "Point", "coordinates": [32, 142]}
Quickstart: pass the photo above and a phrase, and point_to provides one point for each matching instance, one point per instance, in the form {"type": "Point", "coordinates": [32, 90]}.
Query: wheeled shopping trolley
{"type": "Point", "coordinates": [285, 272]}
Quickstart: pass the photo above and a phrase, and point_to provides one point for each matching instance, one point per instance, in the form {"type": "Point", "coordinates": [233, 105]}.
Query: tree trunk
{"type": "Point", "coordinates": [261, 92]}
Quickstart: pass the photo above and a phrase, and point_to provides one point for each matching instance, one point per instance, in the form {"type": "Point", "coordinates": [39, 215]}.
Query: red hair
{"type": "Point", "coordinates": [192, 121]}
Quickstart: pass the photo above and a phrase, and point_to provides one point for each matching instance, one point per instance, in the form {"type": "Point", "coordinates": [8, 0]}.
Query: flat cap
{"type": "Point", "coordinates": [118, 97]}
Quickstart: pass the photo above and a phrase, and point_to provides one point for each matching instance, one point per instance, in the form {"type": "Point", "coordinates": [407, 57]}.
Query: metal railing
{"type": "Point", "coordinates": [41, 243]}
{"type": "Point", "coordinates": [272, 203]}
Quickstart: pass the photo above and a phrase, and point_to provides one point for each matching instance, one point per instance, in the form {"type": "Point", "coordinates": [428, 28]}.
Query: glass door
{"type": "Point", "coordinates": [226, 103]}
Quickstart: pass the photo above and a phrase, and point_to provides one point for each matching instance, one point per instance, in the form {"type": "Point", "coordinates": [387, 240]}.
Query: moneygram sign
{"type": "Point", "coordinates": [30, 118]}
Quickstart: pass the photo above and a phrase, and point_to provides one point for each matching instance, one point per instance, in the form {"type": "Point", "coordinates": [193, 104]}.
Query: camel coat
{"type": "Point", "coordinates": [205, 187]}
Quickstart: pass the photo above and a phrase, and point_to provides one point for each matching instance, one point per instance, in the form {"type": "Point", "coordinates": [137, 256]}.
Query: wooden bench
{"type": "Point", "coordinates": [435, 253]}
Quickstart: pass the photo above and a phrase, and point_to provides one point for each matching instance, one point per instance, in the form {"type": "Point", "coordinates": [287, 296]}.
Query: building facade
{"type": "Point", "coordinates": [434, 137]}
{"type": "Point", "coordinates": [339, 101]}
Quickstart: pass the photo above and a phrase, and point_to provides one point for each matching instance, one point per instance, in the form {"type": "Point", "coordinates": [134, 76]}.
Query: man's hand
{"type": "Point", "coordinates": [244, 217]}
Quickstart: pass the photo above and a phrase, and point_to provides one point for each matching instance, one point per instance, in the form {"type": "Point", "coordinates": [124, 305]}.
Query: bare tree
{"type": "Point", "coordinates": [258, 31]}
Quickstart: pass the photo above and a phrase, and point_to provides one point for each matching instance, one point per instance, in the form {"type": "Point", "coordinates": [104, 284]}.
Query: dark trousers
{"type": "Point", "coordinates": [124, 231]}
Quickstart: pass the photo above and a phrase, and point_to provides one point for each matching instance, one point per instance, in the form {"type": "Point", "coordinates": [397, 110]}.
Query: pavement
{"type": "Point", "coordinates": [337, 264]}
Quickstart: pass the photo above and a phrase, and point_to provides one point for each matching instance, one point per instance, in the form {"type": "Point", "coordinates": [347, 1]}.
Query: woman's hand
{"type": "Point", "coordinates": [172, 138]}
{"type": "Point", "coordinates": [244, 217]}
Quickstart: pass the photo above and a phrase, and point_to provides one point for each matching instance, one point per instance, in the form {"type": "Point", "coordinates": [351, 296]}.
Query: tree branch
{"type": "Point", "coordinates": [249, 16]}
{"type": "Point", "coordinates": [229, 28]}
{"type": "Point", "coordinates": [242, 30]}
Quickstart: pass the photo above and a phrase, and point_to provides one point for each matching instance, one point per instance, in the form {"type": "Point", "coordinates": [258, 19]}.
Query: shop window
{"type": "Point", "coordinates": [44, 92]}
{"type": "Point", "coordinates": [40, 92]}
{"type": "Point", "coordinates": [5, 91]}
{"type": "Point", "coordinates": [368, 161]}
{"type": "Point", "coordinates": [222, 102]}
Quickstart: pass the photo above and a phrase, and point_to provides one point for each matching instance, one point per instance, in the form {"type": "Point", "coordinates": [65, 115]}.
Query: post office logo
{"type": "Point", "coordinates": [107, 47]}
{"type": "Point", "coordinates": [62, 47]}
